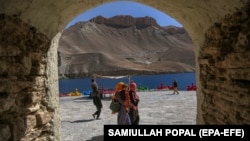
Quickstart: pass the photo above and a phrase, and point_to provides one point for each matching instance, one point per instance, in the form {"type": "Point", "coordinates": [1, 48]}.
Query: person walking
{"type": "Point", "coordinates": [175, 86]}
{"type": "Point", "coordinates": [123, 117]}
{"type": "Point", "coordinates": [96, 99]}
{"type": "Point", "coordinates": [134, 100]}
{"type": "Point", "coordinates": [118, 88]}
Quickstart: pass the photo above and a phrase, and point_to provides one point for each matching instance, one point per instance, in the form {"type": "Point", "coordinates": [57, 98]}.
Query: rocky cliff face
{"type": "Point", "coordinates": [124, 45]}
{"type": "Point", "coordinates": [126, 21]}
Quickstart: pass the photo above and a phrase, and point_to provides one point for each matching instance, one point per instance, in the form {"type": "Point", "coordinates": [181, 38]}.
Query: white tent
{"type": "Point", "coordinates": [112, 77]}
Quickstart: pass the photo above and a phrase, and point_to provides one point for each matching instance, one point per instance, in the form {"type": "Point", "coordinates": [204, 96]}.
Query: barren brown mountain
{"type": "Point", "coordinates": [124, 45]}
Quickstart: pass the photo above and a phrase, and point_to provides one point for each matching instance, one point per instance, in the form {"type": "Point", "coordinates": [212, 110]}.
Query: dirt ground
{"type": "Point", "coordinates": [155, 108]}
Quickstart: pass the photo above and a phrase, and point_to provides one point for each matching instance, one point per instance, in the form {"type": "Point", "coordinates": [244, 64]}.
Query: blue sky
{"type": "Point", "coordinates": [126, 8]}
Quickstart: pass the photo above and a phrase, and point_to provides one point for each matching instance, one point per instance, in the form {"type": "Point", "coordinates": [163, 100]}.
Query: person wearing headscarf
{"type": "Point", "coordinates": [134, 100]}
{"type": "Point", "coordinates": [118, 88]}
{"type": "Point", "coordinates": [123, 117]}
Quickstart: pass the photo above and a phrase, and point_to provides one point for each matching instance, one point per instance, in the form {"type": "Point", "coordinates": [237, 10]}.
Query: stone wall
{"type": "Point", "coordinates": [25, 112]}
{"type": "Point", "coordinates": [224, 70]}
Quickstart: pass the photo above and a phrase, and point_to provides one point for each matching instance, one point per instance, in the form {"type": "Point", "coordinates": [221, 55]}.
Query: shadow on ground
{"type": "Point", "coordinates": [97, 138]}
{"type": "Point", "coordinates": [88, 120]}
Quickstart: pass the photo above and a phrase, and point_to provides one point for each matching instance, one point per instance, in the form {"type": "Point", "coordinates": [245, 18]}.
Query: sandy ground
{"type": "Point", "coordinates": [155, 107]}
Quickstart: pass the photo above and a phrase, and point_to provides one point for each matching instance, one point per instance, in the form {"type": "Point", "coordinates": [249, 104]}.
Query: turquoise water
{"type": "Point", "coordinates": [150, 81]}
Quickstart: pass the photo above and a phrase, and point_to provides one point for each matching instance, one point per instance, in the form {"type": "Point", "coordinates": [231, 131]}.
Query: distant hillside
{"type": "Point", "coordinates": [124, 45]}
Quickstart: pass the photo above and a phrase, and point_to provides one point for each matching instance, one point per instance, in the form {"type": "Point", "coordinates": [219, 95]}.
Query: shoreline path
{"type": "Point", "coordinates": [155, 108]}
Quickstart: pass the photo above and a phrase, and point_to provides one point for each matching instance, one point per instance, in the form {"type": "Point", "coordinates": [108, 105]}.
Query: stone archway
{"type": "Point", "coordinates": [28, 71]}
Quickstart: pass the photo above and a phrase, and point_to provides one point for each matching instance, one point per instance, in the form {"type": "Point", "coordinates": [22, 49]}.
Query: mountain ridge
{"type": "Point", "coordinates": [102, 47]}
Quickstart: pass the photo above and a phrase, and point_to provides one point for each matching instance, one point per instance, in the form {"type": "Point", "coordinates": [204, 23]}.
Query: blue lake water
{"type": "Point", "coordinates": [150, 81]}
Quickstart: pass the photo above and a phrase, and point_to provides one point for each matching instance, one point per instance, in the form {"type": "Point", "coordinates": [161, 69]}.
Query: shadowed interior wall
{"type": "Point", "coordinates": [28, 104]}
{"type": "Point", "coordinates": [224, 70]}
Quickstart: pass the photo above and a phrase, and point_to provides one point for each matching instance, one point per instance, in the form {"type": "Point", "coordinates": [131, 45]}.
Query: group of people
{"type": "Point", "coordinates": [128, 98]}
{"type": "Point", "coordinates": [126, 95]}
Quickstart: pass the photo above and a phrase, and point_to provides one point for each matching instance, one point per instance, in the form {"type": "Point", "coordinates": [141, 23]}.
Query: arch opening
{"type": "Point", "coordinates": [26, 80]}
{"type": "Point", "coordinates": [87, 119]}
